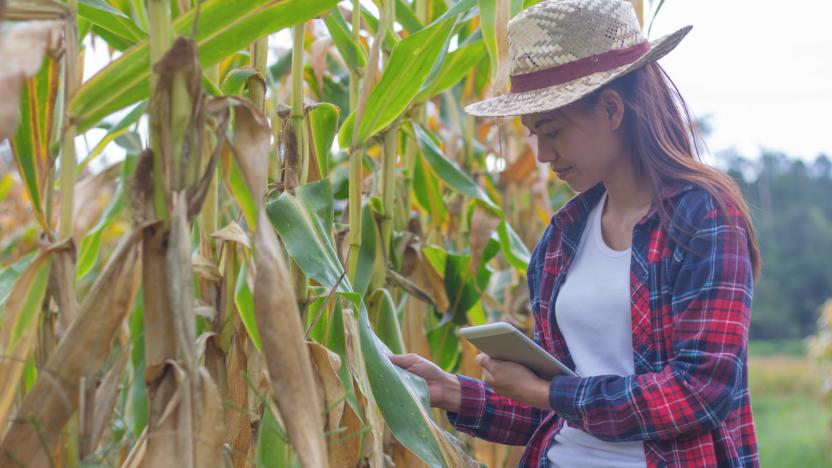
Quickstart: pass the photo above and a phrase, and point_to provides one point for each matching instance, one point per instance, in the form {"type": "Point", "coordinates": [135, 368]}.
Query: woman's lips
{"type": "Point", "coordinates": [562, 172]}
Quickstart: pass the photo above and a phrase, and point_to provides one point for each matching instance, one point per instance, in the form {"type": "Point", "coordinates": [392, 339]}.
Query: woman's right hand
{"type": "Point", "coordinates": [443, 387]}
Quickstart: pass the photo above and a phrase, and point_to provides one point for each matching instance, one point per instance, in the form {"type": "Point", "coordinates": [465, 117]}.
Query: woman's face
{"type": "Point", "coordinates": [582, 146]}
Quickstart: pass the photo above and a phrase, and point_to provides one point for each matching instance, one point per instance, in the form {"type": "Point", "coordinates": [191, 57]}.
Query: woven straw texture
{"type": "Point", "coordinates": [555, 32]}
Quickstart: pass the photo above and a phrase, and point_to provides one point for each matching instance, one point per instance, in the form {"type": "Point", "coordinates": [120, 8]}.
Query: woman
{"type": "Point", "coordinates": [642, 283]}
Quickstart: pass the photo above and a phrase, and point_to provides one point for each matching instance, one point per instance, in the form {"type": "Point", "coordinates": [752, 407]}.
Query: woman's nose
{"type": "Point", "coordinates": [546, 155]}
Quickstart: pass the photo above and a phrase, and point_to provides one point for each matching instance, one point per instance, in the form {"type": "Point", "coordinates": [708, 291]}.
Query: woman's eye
{"type": "Point", "coordinates": [552, 134]}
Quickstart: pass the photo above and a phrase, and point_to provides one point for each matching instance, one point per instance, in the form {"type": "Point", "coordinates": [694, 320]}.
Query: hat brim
{"type": "Point", "coordinates": [553, 97]}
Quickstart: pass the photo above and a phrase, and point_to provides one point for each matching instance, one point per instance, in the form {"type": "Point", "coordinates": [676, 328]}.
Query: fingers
{"type": "Point", "coordinates": [483, 360]}
{"type": "Point", "coordinates": [404, 360]}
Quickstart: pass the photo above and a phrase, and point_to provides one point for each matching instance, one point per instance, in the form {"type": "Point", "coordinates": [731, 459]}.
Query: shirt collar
{"type": "Point", "coordinates": [579, 206]}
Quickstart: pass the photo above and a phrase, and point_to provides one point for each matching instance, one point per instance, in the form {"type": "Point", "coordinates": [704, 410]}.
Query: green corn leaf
{"type": "Point", "coordinates": [273, 448]}
{"type": "Point", "coordinates": [454, 68]}
{"type": "Point", "coordinates": [513, 248]}
{"type": "Point", "coordinates": [368, 252]}
{"type": "Point", "coordinates": [427, 191]}
{"type": "Point", "coordinates": [111, 20]}
{"type": "Point", "coordinates": [488, 26]}
{"type": "Point", "coordinates": [224, 27]}
{"type": "Point", "coordinates": [244, 300]}
{"type": "Point", "coordinates": [323, 124]}
{"type": "Point", "coordinates": [407, 17]}
{"type": "Point", "coordinates": [411, 61]}
{"type": "Point", "coordinates": [304, 222]}
{"type": "Point", "coordinates": [235, 80]}
{"type": "Point", "coordinates": [383, 317]}
{"type": "Point", "coordinates": [448, 171]}
{"type": "Point", "coordinates": [137, 394]}
{"type": "Point", "coordinates": [351, 51]}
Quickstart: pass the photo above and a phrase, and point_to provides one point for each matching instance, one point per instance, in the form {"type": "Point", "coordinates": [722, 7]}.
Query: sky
{"type": "Point", "coordinates": [761, 69]}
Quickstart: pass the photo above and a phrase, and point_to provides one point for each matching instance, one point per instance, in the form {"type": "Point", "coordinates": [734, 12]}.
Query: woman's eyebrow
{"type": "Point", "coordinates": [543, 121]}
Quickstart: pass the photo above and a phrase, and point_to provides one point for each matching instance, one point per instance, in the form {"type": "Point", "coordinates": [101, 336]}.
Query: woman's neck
{"type": "Point", "coordinates": [628, 194]}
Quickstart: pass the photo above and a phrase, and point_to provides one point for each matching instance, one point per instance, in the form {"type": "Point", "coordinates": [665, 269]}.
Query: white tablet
{"type": "Point", "coordinates": [501, 340]}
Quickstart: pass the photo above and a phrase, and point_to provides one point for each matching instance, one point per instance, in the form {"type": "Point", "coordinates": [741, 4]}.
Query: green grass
{"type": "Point", "coordinates": [790, 347]}
{"type": "Point", "coordinates": [791, 420]}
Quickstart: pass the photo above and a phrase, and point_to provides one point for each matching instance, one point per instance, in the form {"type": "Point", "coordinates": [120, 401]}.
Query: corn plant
{"type": "Point", "coordinates": [287, 213]}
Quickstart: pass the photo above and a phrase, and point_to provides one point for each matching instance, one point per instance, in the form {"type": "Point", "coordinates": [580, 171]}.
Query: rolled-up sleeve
{"type": "Point", "coordinates": [484, 414]}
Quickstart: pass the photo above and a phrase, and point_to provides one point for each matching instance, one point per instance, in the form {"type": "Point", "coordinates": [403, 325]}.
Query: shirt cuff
{"type": "Point", "coordinates": [471, 406]}
{"type": "Point", "coordinates": [563, 396]}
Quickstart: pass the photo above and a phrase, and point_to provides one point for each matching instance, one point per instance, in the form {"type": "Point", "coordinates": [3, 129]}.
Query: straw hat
{"type": "Point", "coordinates": [562, 50]}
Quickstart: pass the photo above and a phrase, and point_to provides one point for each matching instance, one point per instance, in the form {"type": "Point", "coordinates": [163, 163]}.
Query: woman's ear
{"type": "Point", "coordinates": [612, 105]}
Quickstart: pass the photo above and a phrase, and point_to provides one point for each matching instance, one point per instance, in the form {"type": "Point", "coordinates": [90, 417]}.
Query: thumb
{"type": "Point", "coordinates": [483, 360]}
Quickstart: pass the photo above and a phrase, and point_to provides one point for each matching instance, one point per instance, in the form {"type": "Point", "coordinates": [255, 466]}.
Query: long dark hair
{"type": "Point", "coordinates": [665, 144]}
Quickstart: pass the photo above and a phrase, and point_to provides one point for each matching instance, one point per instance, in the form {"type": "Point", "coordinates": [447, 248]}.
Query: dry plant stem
{"type": "Point", "coordinates": [180, 117]}
{"type": "Point", "coordinates": [160, 41]}
{"type": "Point", "coordinates": [68, 147]}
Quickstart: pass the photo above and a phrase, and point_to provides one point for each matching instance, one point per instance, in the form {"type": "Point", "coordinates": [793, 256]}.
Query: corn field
{"type": "Point", "coordinates": [300, 195]}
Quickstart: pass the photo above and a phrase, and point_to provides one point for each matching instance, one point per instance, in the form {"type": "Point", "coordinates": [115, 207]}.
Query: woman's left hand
{"type": "Point", "coordinates": [515, 381]}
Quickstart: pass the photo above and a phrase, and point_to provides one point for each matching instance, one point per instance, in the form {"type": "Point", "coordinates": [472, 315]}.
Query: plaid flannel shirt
{"type": "Point", "coordinates": [688, 400]}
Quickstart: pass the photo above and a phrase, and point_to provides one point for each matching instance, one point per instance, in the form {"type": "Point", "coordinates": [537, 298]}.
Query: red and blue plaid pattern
{"type": "Point", "coordinates": [691, 287]}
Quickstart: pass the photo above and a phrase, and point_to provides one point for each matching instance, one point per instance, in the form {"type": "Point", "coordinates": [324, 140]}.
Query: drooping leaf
{"type": "Point", "coordinates": [31, 141]}
{"type": "Point", "coordinates": [448, 171]}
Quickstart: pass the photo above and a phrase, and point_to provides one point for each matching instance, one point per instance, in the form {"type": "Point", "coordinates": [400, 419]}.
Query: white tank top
{"type": "Point", "coordinates": [593, 313]}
